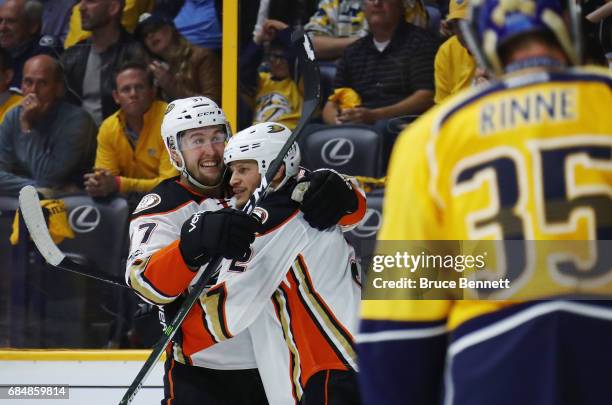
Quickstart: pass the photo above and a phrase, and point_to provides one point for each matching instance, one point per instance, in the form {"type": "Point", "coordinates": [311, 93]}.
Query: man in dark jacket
{"type": "Point", "coordinates": [91, 64]}
{"type": "Point", "coordinates": [20, 22]}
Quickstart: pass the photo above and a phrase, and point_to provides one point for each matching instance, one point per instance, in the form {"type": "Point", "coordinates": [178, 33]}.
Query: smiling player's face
{"type": "Point", "coordinates": [202, 150]}
{"type": "Point", "coordinates": [245, 179]}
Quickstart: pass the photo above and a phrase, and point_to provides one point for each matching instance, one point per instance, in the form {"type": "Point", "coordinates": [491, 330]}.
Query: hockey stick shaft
{"type": "Point", "coordinates": [311, 101]}
{"type": "Point", "coordinates": [32, 214]}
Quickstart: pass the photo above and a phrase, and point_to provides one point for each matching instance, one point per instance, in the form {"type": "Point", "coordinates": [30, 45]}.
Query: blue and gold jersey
{"type": "Point", "coordinates": [528, 158]}
{"type": "Point", "coordinates": [277, 100]}
{"type": "Point", "coordinates": [514, 159]}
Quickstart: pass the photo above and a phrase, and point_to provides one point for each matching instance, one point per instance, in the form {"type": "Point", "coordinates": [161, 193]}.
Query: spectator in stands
{"type": "Point", "coordinates": [183, 69]}
{"type": "Point", "coordinates": [455, 67]}
{"type": "Point", "coordinates": [8, 97]}
{"type": "Point", "coordinates": [198, 22]}
{"type": "Point", "coordinates": [338, 23]}
{"type": "Point", "coordinates": [132, 9]}
{"type": "Point", "coordinates": [391, 69]}
{"type": "Point", "coordinates": [131, 156]}
{"type": "Point", "coordinates": [45, 142]}
{"type": "Point", "coordinates": [276, 95]}
{"type": "Point", "coordinates": [91, 64]}
{"type": "Point", "coordinates": [20, 23]}
{"type": "Point", "coordinates": [56, 18]}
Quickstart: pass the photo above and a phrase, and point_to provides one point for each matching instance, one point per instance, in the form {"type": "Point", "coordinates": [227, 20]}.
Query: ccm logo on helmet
{"type": "Point", "coordinates": [206, 113]}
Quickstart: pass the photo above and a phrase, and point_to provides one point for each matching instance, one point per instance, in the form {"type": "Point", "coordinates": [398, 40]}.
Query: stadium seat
{"type": "Point", "coordinates": [100, 231]}
{"type": "Point", "coordinates": [327, 74]}
{"type": "Point", "coordinates": [52, 307]}
{"type": "Point", "coordinates": [350, 149]}
{"type": "Point", "coordinates": [101, 241]}
{"type": "Point", "coordinates": [363, 237]}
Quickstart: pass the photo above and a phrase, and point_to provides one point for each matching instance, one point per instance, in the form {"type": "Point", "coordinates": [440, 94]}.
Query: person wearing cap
{"type": "Point", "coordinates": [181, 69]}
{"type": "Point", "coordinates": [454, 67]}
{"type": "Point", "coordinates": [277, 96]}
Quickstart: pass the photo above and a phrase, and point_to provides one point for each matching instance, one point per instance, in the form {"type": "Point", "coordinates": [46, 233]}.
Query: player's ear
{"type": "Point", "coordinates": [280, 175]}
{"type": "Point", "coordinates": [175, 157]}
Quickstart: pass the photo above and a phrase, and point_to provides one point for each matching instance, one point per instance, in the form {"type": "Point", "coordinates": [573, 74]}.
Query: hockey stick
{"type": "Point", "coordinates": [29, 205]}
{"type": "Point", "coordinates": [312, 95]}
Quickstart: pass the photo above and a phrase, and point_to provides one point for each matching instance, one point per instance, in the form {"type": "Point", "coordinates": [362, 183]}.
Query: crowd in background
{"type": "Point", "coordinates": [390, 60]}
{"type": "Point", "coordinates": [84, 85]}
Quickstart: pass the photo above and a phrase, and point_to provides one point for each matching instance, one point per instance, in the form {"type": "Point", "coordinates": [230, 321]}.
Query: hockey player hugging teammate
{"type": "Point", "coordinates": [187, 220]}
{"type": "Point", "coordinates": [297, 289]}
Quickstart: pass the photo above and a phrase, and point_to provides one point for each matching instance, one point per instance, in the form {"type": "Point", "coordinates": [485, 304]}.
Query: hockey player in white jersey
{"type": "Point", "coordinates": [164, 257]}
{"type": "Point", "coordinates": [297, 290]}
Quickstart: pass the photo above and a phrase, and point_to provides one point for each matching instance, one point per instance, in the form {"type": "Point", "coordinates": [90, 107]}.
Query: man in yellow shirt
{"type": "Point", "coordinates": [131, 156]}
{"type": "Point", "coordinates": [8, 97]}
{"type": "Point", "coordinates": [454, 67]}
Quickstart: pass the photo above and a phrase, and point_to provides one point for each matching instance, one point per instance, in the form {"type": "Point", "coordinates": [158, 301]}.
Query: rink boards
{"type": "Point", "coordinates": [93, 376]}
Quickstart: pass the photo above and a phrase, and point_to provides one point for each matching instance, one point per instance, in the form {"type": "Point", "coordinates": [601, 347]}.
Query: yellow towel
{"type": "Point", "coordinates": [370, 183]}
{"type": "Point", "coordinates": [345, 97]}
{"type": "Point", "coordinates": [57, 221]}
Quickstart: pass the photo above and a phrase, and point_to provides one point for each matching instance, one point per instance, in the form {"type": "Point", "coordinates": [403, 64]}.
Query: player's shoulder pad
{"type": "Point", "coordinates": [165, 197]}
{"type": "Point", "coordinates": [276, 208]}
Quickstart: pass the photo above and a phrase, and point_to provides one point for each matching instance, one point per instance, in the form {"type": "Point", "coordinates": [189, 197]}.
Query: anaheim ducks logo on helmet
{"type": "Point", "coordinates": [169, 108]}
{"type": "Point", "coordinates": [274, 128]}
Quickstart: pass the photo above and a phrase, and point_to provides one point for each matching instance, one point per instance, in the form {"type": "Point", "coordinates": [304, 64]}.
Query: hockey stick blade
{"type": "Point", "coordinates": [312, 96]}
{"type": "Point", "coordinates": [29, 205]}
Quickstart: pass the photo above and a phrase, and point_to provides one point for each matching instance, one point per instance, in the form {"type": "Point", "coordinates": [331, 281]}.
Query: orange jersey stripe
{"type": "Point", "coordinates": [355, 217]}
{"type": "Point", "coordinates": [170, 379]}
{"type": "Point", "coordinates": [167, 272]}
{"type": "Point", "coordinates": [316, 351]}
{"type": "Point", "coordinates": [195, 336]}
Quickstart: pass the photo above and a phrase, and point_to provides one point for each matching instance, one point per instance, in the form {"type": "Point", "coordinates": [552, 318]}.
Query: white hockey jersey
{"type": "Point", "coordinates": [157, 273]}
{"type": "Point", "coordinates": [298, 296]}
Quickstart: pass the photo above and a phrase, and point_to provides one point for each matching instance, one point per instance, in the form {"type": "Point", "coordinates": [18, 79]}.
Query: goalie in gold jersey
{"type": "Point", "coordinates": [526, 158]}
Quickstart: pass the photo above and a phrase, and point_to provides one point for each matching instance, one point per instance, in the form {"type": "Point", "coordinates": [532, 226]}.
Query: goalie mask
{"type": "Point", "coordinates": [491, 24]}
{"type": "Point", "coordinates": [262, 143]}
{"type": "Point", "coordinates": [185, 114]}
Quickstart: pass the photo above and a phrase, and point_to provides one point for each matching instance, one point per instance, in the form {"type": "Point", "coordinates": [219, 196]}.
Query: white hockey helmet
{"type": "Point", "coordinates": [262, 142]}
{"type": "Point", "coordinates": [182, 115]}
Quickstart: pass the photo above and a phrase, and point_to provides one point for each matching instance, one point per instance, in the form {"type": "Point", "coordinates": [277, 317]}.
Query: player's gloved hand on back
{"type": "Point", "coordinates": [329, 197]}
{"type": "Point", "coordinates": [227, 232]}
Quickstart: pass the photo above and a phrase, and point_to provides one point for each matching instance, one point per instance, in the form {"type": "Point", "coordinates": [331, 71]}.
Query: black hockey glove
{"type": "Point", "coordinates": [329, 197]}
{"type": "Point", "coordinates": [227, 232]}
